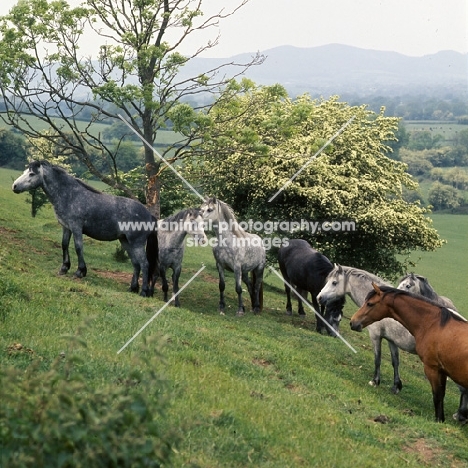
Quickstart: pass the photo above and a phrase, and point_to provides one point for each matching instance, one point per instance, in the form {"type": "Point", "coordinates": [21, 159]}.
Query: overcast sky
{"type": "Point", "coordinates": [411, 27]}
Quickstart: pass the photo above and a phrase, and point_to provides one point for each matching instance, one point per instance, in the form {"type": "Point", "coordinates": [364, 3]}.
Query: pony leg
{"type": "Point", "coordinates": [137, 258]}
{"type": "Point", "coordinates": [377, 345]}
{"type": "Point", "coordinates": [222, 287]}
{"type": "Point", "coordinates": [78, 240]}
{"type": "Point", "coordinates": [240, 303]}
{"type": "Point", "coordinates": [462, 414]}
{"type": "Point", "coordinates": [321, 310]}
{"type": "Point", "coordinates": [397, 384]}
{"type": "Point", "coordinates": [288, 297]}
{"type": "Point", "coordinates": [164, 285]}
{"type": "Point", "coordinates": [175, 284]}
{"type": "Point", "coordinates": [300, 306]}
{"type": "Point", "coordinates": [249, 284]}
{"type": "Point", "coordinates": [257, 290]}
{"type": "Point", "coordinates": [438, 381]}
{"type": "Point", "coordinates": [66, 236]}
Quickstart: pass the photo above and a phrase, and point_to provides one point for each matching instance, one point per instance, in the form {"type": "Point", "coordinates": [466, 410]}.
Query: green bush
{"type": "Point", "coordinates": [50, 416]}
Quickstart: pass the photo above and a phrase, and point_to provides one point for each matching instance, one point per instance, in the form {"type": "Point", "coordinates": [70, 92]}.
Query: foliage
{"type": "Point", "coordinates": [260, 140]}
{"type": "Point", "coordinates": [13, 150]}
{"type": "Point", "coordinates": [50, 416]}
{"type": "Point", "coordinates": [443, 196]}
{"type": "Point", "coordinates": [424, 140]}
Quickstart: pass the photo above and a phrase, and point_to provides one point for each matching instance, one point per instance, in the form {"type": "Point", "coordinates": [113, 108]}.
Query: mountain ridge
{"type": "Point", "coordinates": [337, 68]}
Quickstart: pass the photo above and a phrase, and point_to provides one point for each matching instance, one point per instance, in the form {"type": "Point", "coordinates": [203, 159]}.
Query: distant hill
{"type": "Point", "coordinates": [339, 69]}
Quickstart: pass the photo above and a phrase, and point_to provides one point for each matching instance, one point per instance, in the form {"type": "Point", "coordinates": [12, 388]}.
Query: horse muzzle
{"type": "Point", "coordinates": [355, 326]}
{"type": "Point", "coordinates": [321, 300]}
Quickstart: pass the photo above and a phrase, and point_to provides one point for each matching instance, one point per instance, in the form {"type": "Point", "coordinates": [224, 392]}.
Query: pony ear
{"type": "Point", "coordinates": [376, 288]}
{"type": "Point", "coordinates": [338, 267]}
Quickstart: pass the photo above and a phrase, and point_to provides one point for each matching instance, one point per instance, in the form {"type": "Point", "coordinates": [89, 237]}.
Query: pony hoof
{"type": "Point", "coordinates": [397, 387]}
{"type": "Point", "coordinates": [462, 420]}
{"type": "Point", "coordinates": [240, 313]}
{"type": "Point", "coordinates": [221, 312]}
{"type": "Point", "coordinates": [373, 384]}
{"type": "Point", "coordinates": [289, 312]}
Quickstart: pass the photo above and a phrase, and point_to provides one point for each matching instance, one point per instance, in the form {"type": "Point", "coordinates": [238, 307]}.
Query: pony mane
{"type": "Point", "coordinates": [61, 171]}
{"type": "Point", "coordinates": [445, 314]}
{"type": "Point", "coordinates": [351, 271]}
{"type": "Point", "coordinates": [425, 288]}
{"type": "Point", "coordinates": [179, 216]}
{"type": "Point", "coordinates": [227, 214]}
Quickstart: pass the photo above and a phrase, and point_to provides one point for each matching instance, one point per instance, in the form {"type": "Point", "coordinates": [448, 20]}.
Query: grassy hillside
{"type": "Point", "coordinates": [265, 390]}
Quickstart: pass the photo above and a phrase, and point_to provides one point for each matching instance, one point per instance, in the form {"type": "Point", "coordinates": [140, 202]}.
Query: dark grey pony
{"type": "Point", "coordinates": [357, 283]}
{"type": "Point", "coordinates": [420, 285]}
{"type": "Point", "coordinates": [172, 233]}
{"type": "Point", "coordinates": [81, 209]}
{"type": "Point", "coordinates": [306, 270]}
{"type": "Point", "coordinates": [238, 251]}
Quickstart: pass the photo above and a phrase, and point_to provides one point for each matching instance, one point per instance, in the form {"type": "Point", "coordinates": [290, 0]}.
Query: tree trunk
{"type": "Point", "coordinates": [153, 191]}
{"type": "Point", "coordinates": [152, 167]}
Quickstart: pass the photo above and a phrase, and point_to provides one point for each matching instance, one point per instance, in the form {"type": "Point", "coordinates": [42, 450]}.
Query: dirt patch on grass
{"type": "Point", "coordinates": [430, 455]}
{"type": "Point", "coordinates": [424, 451]}
{"type": "Point", "coordinates": [118, 276]}
{"type": "Point", "coordinates": [261, 362]}
{"type": "Point", "coordinates": [209, 278]}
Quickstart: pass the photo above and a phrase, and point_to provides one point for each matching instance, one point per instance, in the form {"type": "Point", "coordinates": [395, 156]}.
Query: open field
{"type": "Point", "coordinates": [164, 137]}
{"type": "Point", "coordinates": [447, 129]}
{"type": "Point", "coordinates": [266, 390]}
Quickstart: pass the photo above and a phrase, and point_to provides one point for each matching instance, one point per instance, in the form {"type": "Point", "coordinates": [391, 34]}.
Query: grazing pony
{"type": "Point", "coordinates": [238, 251]}
{"type": "Point", "coordinates": [81, 209]}
{"type": "Point", "coordinates": [420, 285]}
{"type": "Point", "coordinates": [307, 269]}
{"type": "Point", "coordinates": [172, 233]}
{"type": "Point", "coordinates": [441, 336]}
{"type": "Point", "coordinates": [357, 283]}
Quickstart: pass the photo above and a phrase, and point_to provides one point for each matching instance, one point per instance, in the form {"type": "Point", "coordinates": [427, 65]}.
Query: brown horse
{"type": "Point", "coordinates": [441, 336]}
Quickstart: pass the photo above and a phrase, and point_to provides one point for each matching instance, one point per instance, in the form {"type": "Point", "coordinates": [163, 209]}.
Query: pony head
{"type": "Point", "coordinates": [335, 287]}
{"type": "Point", "coordinates": [208, 208]}
{"type": "Point", "coordinates": [371, 311]}
{"type": "Point", "coordinates": [31, 178]}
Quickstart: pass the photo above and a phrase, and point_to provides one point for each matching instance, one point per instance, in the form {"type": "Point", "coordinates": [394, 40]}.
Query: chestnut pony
{"type": "Point", "coordinates": [441, 336]}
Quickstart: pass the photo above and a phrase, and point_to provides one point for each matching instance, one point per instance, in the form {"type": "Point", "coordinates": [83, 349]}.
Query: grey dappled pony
{"type": "Point", "coordinates": [81, 209]}
{"type": "Point", "coordinates": [238, 251]}
{"type": "Point", "coordinates": [172, 234]}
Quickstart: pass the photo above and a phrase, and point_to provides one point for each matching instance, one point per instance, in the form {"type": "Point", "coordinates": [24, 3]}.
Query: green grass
{"type": "Point", "coordinates": [264, 390]}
